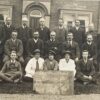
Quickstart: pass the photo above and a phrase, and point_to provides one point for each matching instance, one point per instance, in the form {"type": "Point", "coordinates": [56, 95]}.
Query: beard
{"type": "Point", "coordinates": [35, 38]}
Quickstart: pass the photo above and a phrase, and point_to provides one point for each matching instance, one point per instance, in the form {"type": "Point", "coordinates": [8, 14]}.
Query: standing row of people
{"type": "Point", "coordinates": [24, 43]}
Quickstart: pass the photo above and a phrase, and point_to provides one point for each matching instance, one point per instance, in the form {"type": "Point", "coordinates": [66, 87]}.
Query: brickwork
{"type": "Point", "coordinates": [92, 6]}
{"type": "Point", "coordinates": [62, 4]}
{"type": "Point", "coordinates": [17, 10]}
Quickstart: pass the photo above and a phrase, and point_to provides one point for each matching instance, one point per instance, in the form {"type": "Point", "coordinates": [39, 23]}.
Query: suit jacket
{"type": "Point", "coordinates": [10, 67]}
{"type": "Point", "coordinates": [48, 65]}
{"type": "Point", "coordinates": [8, 31]}
{"type": "Point", "coordinates": [84, 69]}
{"type": "Point", "coordinates": [44, 34]}
{"type": "Point", "coordinates": [79, 35]}
{"type": "Point", "coordinates": [74, 49]}
{"type": "Point", "coordinates": [60, 34]}
{"type": "Point", "coordinates": [51, 45]}
{"type": "Point", "coordinates": [2, 39]}
{"type": "Point", "coordinates": [17, 46]}
{"type": "Point", "coordinates": [92, 49]}
{"type": "Point", "coordinates": [98, 47]}
{"type": "Point", "coordinates": [31, 46]}
{"type": "Point", "coordinates": [24, 34]}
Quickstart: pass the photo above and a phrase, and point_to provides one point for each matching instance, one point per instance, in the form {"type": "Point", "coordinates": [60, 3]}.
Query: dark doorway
{"type": "Point", "coordinates": [82, 23]}
{"type": "Point", "coordinates": [34, 23]}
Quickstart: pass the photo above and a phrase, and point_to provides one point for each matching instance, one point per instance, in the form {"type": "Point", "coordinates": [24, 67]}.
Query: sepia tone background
{"type": "Point", "coordinates": [86, 11]}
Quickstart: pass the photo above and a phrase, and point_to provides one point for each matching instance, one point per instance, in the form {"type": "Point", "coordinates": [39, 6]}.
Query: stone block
{"type": "Point", "coordinates": [54, 82]}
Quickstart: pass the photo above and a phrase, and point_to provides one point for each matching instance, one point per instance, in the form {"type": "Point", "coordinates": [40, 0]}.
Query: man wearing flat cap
{"type": "Point", "coordinates": [34, 64]}
{"type": "Point", "coordinates": [50, 63]}
{"type": "Point", "coordinates": [67, 64]}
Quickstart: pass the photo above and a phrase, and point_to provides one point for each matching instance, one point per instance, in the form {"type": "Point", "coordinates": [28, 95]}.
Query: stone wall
{"type": "Point", "coordinates": [92, 6]}
{"type": "Point", "coordinates": [54, 82]}
{"type": "Point", "coordinates": [16, 10]}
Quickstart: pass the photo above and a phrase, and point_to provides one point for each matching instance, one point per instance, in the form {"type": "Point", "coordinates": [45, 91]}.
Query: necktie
{"type": "Point", "coordinates": [69, 43]}
{"type": "Point", "coordinates": [37, 66]}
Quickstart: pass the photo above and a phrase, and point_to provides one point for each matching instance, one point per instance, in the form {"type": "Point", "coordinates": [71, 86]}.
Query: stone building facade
{"type": "Point", "coordinates": [86, 11]}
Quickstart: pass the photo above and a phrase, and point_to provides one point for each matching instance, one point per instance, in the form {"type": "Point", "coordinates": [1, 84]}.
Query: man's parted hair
{"type": "Point", "coordinates": [13, 51]}
{"type": "Point", "coordinates": [14, 31]}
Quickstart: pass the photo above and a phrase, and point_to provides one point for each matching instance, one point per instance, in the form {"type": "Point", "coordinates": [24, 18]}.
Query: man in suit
{"type": "Point", "coordinates": [61, 32]}
{"type": "Point", "coordinates": [24, 34]}
{"type": "Point", "coordinates": [34, 43]}
{"type": "Point", "coordinates": [11, 71]}
{"type": "Point", "coordinates": [78, 33]}
{"type": "Point", "coordinates": [91, 47]}
{"type": "Point", "coordinates": [52, 44]}
{"type": "Point", "coordinates": [2, 38]}
{"type": "Point", "coordinates": [91, 30]}
{"type": "Point", "coordinates": [13, 44]}
{"type": "Point", "coordinates": [50, 63]}
{"type": "Point", "coordinates": [34, 64]}
{"type": "Point", "coordinates": [44, 32]}
{"type": "Point", "coordinates": [85, 70]}
{"type": "Point", "coordinates": [72, 46]}
{"type": "Point", "coordinates": [8, 27]}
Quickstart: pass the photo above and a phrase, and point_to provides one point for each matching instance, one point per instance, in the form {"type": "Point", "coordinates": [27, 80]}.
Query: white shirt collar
{"type": "Point", "coordinates": [89, 43]}
{"type": "Point", "coordinates": [52, 39]}
{"type": "Point", "coordinates": [13, 40]}
{"type": "Point", "coordinates": [35, 40]}
{"type": "Point", "coordinates": [77, 27]}
{"type": "Point", "coordinates": [61, 27]}
{"type": "Point", "coordinates": [13, 61]}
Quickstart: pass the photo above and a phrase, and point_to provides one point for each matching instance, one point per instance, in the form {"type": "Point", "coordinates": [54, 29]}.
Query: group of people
{"type": "Point", "coordinates": [24, 52]}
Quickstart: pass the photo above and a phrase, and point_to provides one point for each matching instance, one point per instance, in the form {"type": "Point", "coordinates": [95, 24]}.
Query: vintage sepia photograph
{"type": "Point", "coordinates": [49, 49]}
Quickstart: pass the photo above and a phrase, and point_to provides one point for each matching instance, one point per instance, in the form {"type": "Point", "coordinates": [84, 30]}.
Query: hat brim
{"type": "Point", "coordinates": [67, 52]}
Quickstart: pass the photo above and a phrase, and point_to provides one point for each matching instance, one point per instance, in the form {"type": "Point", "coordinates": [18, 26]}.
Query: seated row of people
{"type": "Point", "coordinates": [83, 71]}
{"type": "Point", "coordinates": [36, 43]}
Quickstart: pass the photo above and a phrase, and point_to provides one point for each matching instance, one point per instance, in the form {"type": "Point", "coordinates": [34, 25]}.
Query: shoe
{"type": "Point", "coordinates": [17, 81]}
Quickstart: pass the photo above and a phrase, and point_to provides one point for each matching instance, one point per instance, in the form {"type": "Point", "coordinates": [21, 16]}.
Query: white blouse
{"type": "Point", "coordinates": [67, 66]}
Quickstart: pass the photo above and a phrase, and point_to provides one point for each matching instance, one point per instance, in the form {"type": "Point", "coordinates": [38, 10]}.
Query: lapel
{"type": "Point", "coordinates": [76, 29]}
{"type": "Point", "coordinates": [16, 42]}
{"type": "Point", "coordinates": [84, 63]}
{"type": "Point", "coordinates": [73, 43]}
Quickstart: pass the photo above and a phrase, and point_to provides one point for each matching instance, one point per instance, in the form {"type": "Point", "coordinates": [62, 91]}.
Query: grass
{"type": "Point", "coordinates": [27, 88]}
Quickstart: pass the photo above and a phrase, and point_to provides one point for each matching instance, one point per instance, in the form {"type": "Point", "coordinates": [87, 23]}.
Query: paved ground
{"type": "Point", "coordinates": [48, 97]}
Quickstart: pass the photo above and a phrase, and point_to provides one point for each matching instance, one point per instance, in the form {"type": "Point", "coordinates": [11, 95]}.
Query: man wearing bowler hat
{"type": "Point", "coordinates": [67, 64]}
{"type": "Point", "coordinates": [50, 63]}
{"type": "Point", "coordinates": [34, 64]}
